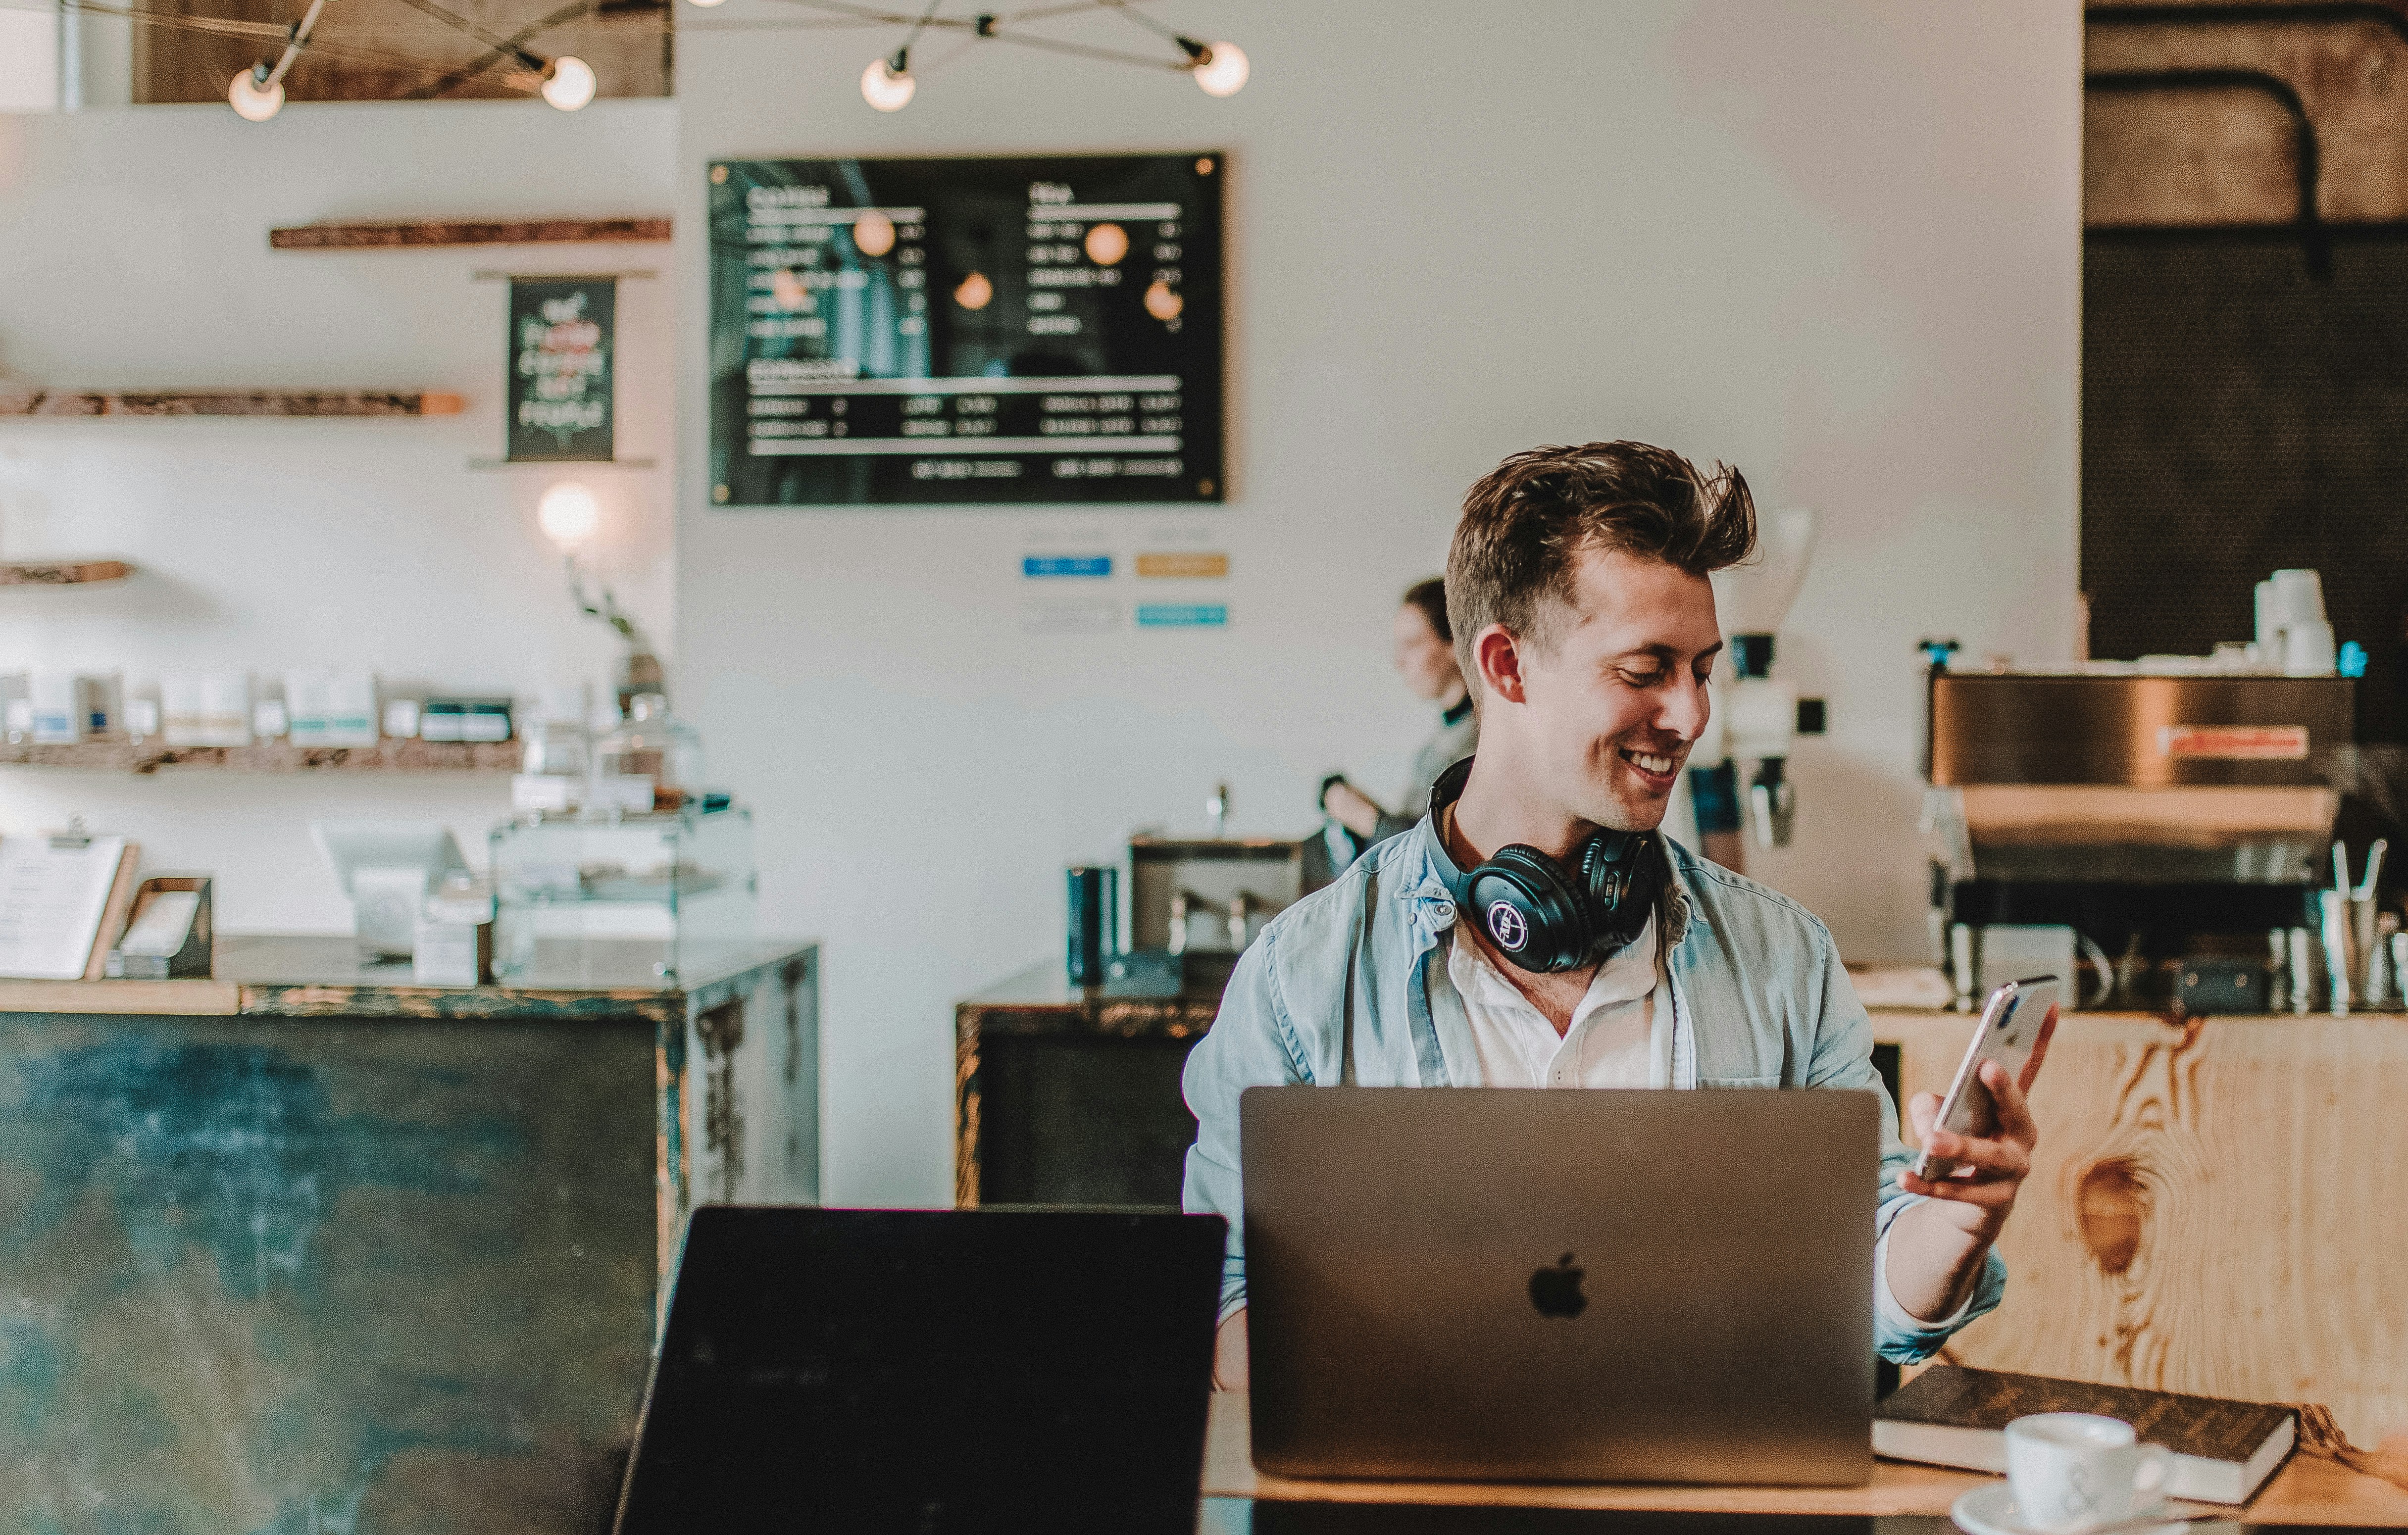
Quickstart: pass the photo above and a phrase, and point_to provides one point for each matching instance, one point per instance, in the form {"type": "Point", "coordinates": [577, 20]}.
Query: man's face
{"type": "Point", "coordinates": [1609, 713]}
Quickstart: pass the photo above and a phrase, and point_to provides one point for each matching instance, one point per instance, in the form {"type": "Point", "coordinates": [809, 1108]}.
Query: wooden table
{"type": "Point", "coordinates": [2305, 1491]}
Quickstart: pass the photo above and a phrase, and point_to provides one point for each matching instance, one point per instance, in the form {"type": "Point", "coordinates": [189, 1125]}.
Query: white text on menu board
{"type": "Point", "coordinates": [799, 405]}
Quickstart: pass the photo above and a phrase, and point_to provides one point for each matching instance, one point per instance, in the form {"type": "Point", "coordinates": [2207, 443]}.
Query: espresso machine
{"type": "Point", "coordinates": [2172, 829]}
{"type": "Point", "coordinates": [1195, 903]}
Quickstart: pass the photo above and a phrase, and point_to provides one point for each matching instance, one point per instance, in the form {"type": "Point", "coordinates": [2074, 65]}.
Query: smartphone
{"type": "Point", "coordinates": [2015, 1023]}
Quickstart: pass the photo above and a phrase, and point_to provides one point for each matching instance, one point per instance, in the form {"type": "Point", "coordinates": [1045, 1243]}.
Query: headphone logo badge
{"type": "Point", "coordinates": [1507, 927]}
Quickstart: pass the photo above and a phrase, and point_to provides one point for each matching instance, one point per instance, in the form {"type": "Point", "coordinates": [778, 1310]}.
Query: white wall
{"type": "Point", "coordinates": [134, 251]}
{"type": "Point", "coordinates": [1835, 244]}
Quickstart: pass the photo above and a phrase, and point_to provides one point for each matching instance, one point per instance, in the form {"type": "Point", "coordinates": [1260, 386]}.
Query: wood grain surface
{"type": "Point", "coordinates": [62, 572]}
{"type": "Point", "coordinates": [121, 755]}
{"type": "Point", "coordinates": [2306, 1491]}
{"type": "Point", "coordinates": [2217, 1207]}
{"type": "Point", "coordinates": [451, 232]}
{"type": "Point", "coordinates": [227, 402]}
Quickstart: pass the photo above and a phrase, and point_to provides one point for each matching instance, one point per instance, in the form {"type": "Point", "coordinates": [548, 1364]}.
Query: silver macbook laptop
{"type": "Point", "coordinates": [1500, 1285]}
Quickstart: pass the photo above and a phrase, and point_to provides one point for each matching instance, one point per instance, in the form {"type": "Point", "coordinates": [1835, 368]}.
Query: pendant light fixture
{"type": "Point", "coordinates": [887, 83]}
{"type": "Point", "coordinates": [257, 93]}
{"type": "Point", "coordinates": [1220, 69]}
{"type": "Point", "coordinates": [568, 82]}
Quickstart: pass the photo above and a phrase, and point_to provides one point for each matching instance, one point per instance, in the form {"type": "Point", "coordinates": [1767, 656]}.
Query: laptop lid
{"type": "Point", "coordinates": [1498, 1285]}
{"type": "Point", "coordinates": [930, 1372]}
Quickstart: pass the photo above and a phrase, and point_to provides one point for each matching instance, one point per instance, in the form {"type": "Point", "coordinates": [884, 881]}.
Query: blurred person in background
{"type": "Point", "coordinates": [1424, 659]}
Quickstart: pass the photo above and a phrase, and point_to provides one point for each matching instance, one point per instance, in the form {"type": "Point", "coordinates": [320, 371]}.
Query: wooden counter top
{"type": "Point", "coordinates": [303, 976]}
{"type": "Point", "coordinates": [1041, 1000]}
{"type": "Point", "coordinates": [2306, 1491]}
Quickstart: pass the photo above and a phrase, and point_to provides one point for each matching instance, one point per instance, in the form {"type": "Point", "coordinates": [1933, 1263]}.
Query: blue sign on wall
{"type": "Point", "coordinates": [1182, 615]}
{"type": "Point", "coordinates": [1033, 566]}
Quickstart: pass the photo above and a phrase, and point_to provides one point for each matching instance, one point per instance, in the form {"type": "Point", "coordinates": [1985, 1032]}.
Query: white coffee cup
{"type": "Point", "coordinates": [2076, 1471]}
{"type": "Point", "coordinates": [2295, 596]}
{"type": "Point", "coordinates": [2308, 648]}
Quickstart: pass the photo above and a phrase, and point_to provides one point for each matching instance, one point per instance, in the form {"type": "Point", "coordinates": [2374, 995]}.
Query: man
{"type": "Point", "coordinates": [1586, 625]}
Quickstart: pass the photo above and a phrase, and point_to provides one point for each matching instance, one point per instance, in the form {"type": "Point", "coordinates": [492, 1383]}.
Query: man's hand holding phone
{"type": "Point", "coordinates": [1990, 1159]}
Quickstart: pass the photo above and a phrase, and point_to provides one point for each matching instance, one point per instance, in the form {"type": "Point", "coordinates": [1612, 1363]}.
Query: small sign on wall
{"type": "Point", "coordinates": [562, 348]}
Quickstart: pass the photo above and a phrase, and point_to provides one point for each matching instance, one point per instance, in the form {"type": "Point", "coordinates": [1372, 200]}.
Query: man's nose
{"type": "Point", "coordinates": [1685, 710]}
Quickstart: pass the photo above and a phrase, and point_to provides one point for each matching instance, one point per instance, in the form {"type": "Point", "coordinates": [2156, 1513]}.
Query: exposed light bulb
{"type": "Point", "coordinates": [975, 293]}
{"type": "Point", "coordinates": [707, 3]}
{"type": "Point", "coordinates": [567, 513]}
{"type": "Point", "coordinates": [1221, 70]}
{"type": "Point", "coordinates": [568, 84]}
{"type": "Point", "coordinates": [254, 104]}
{"type": "Point", "coordinates": [887, 83]}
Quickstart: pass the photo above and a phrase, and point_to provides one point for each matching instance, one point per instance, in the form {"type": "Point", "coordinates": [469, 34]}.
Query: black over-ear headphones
{"type": "Point", "coordinates": [1547, 918]}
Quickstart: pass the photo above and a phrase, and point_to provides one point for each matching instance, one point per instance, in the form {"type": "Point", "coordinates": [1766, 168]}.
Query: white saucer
{"type": "Point", "coordinates": [1990, 1509]}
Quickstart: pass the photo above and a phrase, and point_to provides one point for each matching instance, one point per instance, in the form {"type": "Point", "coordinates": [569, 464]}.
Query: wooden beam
{"type": "Point", "coordinates": [117, 753]}
{"type": "Point", "coordinates": [454, 232]}
{"type": "Point", "coordinates": [227, 402]}
{"type": "Point", "coordinates": [62, 572]}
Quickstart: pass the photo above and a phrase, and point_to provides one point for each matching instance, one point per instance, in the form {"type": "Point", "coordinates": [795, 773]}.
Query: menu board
{"type": "Point", "coordinates": [948, 331]}
{"type": "Point", "coordinates": [560, 368]}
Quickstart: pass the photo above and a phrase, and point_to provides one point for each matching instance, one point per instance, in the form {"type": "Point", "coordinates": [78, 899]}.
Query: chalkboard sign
{"type": "Point", "coordinates": [992, 330]}
{"type": "Point", "coordinates": [559, 386]}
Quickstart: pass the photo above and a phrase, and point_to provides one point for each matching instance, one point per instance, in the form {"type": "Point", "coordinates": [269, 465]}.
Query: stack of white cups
{"type": "Point", "coordinates": [2292, 630]}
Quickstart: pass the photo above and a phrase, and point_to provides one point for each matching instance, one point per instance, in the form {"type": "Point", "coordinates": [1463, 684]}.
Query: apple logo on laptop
{"type": "Point", "coordinates": [1557, 1291]}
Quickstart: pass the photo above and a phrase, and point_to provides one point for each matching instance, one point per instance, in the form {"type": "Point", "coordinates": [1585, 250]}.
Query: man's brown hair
{"type": "Point", "coordinates": [1527, 522]}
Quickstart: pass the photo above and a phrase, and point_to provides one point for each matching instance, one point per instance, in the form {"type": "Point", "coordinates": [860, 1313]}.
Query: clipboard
{"type": "Point", "coordinates": [64, 896]}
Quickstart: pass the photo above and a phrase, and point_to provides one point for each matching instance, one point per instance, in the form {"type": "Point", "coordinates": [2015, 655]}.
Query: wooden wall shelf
{"type": "Point", "coordinates": [454, 232]}
{"type": "Point", "coordinates": [118, 754]}
{"type": "Point", "coordinates": [226, 402]}
{"type": "Point", "coordinates": [62, 572]}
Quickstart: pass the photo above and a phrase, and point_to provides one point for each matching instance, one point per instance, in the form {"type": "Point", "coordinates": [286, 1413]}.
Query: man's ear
{"type": "Point", "coordinates": [1498, 657]}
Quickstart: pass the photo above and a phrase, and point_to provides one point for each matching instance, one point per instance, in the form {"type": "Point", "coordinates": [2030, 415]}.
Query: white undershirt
{"type": "Point", "coordinates": [1618, 1037]}
{"type": "Point", "coordinates": [1611, 1043]}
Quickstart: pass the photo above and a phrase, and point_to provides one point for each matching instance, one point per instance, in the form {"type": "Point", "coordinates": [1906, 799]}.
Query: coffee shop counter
{"type": "Point", "coordinates": [2216, 1206]}
{"type": "Point", "coordinates": [307, 1246]}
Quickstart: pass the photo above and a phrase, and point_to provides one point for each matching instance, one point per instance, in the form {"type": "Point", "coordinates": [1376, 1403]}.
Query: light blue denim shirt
{"type": "Point", "coordinates": [1758, 995]}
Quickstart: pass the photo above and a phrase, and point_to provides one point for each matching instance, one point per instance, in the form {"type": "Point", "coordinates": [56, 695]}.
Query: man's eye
{"type": "Point", "coordinates": [1645, 678]}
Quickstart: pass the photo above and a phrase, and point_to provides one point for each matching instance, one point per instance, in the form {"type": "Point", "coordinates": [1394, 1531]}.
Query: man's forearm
{"type": "Point", "coordinates": [1933, 1261]}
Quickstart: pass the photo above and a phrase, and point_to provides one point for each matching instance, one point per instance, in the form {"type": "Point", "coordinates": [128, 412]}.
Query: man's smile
{"type": "Point", "coordinates": [1655, 768]}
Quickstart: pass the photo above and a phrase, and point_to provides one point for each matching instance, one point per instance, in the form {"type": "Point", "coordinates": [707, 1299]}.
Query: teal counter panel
{"type": "Point", "coordinates": [352, 1276]}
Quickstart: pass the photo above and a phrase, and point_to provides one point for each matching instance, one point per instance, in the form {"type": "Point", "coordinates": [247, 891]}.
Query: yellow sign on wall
{"type": "Point", "coordinates": [1185, 565]}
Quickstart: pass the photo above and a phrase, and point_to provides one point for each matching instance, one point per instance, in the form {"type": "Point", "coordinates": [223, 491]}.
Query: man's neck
{"type": "Point", "coordinates": [1494, 811]}
{"type": "Point", "coordinates": [1556, 997]}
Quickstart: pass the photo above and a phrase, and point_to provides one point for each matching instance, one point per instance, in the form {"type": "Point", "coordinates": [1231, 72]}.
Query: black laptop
{"type": "Point", "coordinates": [929, 1372]}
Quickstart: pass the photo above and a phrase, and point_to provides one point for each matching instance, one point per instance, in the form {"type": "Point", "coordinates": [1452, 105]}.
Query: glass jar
{"type": "Point", "coordinates": [653, 743]}
{"type": "Point", "coordinates": [559, 748]}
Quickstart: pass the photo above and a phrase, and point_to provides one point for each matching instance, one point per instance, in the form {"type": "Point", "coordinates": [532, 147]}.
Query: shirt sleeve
{"type": "Point", "coordinates": [1251, 1044]}
{"type": "Point", "coordinates": [1843, 1057]}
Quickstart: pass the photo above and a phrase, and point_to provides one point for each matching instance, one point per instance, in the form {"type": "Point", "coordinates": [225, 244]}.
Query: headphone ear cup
{"type": "Point", "coordinates": [1531, 911]}
{"type": "Point", "coordinates": [1621, 873]}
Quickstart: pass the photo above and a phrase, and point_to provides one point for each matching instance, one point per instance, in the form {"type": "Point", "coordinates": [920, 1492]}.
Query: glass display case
{"type": "Point", "coordinates": [581, 889]}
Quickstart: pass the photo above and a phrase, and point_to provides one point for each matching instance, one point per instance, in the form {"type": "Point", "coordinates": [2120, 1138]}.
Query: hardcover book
{"type": "Point", "coordinates": [1950, 1415]}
